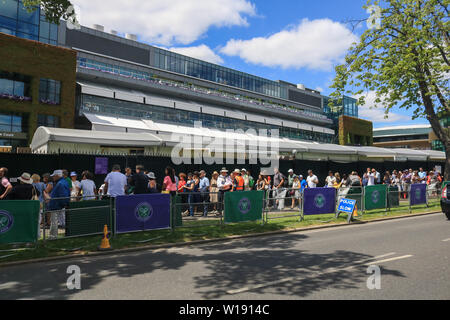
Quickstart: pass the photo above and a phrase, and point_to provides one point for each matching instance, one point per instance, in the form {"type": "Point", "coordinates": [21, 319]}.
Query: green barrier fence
{"type": "Point", "coordinates": [88, 218]}
{"type": "Point", "coordinates": [393, 197]}
{"type": "Point", "coordinates": [375, 197]}
{"type": "Point", "coordinates": [445, 183]}
{"type": "Point", "coordinates": [19, 221]}
{"type": "Point", "coordinates": [177, 209]}
{"type": "Point", "coordinates": [243, 206]}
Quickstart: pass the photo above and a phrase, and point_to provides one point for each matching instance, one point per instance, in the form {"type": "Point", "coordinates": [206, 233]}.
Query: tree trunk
{"type": "Point", "coordinates": [447, 162]}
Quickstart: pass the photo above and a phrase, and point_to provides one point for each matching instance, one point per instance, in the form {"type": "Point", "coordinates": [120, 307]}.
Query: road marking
{"type": "Point", "coordinates": [446, 240]}
{"type": "Point", "coordinates": [320, 273]}
{"type": "Point", "coordinates": [391, 259]}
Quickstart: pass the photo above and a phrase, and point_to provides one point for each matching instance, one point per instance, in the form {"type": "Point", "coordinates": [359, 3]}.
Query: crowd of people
{"type": "Point", "coordinates": [199, 194]}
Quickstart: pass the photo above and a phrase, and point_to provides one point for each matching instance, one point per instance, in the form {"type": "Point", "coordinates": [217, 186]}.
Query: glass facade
{"type": "Point", "coordinates": [348, 107]}
{"type": "Point", "coordinates": [107, 106]}
{"type": "Point", "coordinates": [13, 123]}
{"type": "Point", "coordinates": [174, 62]}
{"type": "Point", "coordinates": [146, 76]}
{"type": "Point", "coordinates": [16, 20]}
{"type": "Point", "coordinates": [50, 91]}
{"type": "Point", "coordinates": [15, 86]}
{"type": "Point", "coordinates": [47, 121]}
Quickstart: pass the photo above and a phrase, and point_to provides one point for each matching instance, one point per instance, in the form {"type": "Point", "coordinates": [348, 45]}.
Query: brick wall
{"type": "Point", "coordinates": [40, 60]}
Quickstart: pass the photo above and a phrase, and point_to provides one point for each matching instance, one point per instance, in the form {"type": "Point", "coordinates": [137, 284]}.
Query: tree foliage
{"type": "Point", "coordinates": [54, 10]}
{"type": "Point", "coordinates": [405, 60]}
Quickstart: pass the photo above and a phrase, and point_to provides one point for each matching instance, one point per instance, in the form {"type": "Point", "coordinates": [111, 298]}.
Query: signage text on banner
{"type": "Point", "coordinates": [142, 212]}
{"type": "Point", "coordinates": [19, 221]}
{"type": "Point", "coordinates": [375, 197]}
{"type": "Point", "coordinates": [418, 194]}
{"type": "Point", "coordinates": [243, 206]}
{"type": "Point", "coordinates": [319, 201]}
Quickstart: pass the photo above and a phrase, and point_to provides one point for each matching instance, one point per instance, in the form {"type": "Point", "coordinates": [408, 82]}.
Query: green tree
{"type": "Point", "coordinates": [54, 10]}
{"type": "Point", "coordinates": [405, 60]}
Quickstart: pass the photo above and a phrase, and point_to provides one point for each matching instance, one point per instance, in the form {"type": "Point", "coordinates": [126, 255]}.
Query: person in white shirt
{"type": "Point", "coordinates": [76, 187]}
{"type": "Point", "coordinates": [330, 180]}
{"type": "Point", "coordinates": [371, 178]}
{"type": "Point", "coordinates": [312, 180]}
{"type": "Point", "coordinates": [224, 184]}
{"type": "Point", "coordinates": [88, 188]}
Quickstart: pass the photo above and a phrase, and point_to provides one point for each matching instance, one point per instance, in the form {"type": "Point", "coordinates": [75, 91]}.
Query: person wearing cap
{"type": "Point", "coordinates": [76, 187]}
{"type": "Point", "coordinates": [59, 200]}
{"type": "Point", "coordinates": [238, 181]}
{"type": "Point", "coordinates": [224, 184]}
{"type": "Point", "coordinates": [25, 190]}
{"type": "Point", "coordinates": [152, 186]}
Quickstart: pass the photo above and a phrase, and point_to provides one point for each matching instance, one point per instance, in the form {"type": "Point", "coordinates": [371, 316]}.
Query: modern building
{"type": "Point", "coordinates": [120, 77]}
{"type": "Point", "coordinates": [37, 88]}
{"type": "Point", "coordinates": [436, 144]}
{"type": "Point", "coordinates": [412, 137]}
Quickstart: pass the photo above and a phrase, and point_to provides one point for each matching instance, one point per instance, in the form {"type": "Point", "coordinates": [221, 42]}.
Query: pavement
{"type": "Point", "coordinates": [413, 255]}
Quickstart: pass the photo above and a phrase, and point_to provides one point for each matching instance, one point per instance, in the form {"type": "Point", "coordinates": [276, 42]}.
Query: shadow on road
{"type": "Point", "coordinates": [224, 267]}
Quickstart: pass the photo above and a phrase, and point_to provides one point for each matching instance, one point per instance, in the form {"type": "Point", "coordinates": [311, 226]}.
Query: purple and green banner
{"type": "Point", "coordinates": [19, 221]}
{"type": "Point", "coordinates": [418, 194]}
{"type": "Point", "coordinates": [243, 206]}
{"type": "Point", "coordinates": [319, 201]}
{"type": "Point", "coordinates": [142, 212]}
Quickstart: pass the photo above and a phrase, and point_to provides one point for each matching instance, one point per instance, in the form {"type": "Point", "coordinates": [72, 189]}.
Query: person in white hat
{"type": "Point", "coordinates": [224, 184]}
{"type": "Point", "coordinates": [24, 190]}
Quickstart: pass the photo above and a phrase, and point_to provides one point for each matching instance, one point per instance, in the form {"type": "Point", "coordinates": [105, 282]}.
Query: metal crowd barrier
{"type": "Point", "coordinates": [184, 202]}
{"type": "Point", "coordinates": [88, 217]}
{"type": "Point", "coordinates": [78, 219]}
{"type": "Point", "coordinates": [272, 210]}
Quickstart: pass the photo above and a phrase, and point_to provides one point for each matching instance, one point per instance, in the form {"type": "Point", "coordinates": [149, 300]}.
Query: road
{"type": "Point", "coordinates": [413, 254]}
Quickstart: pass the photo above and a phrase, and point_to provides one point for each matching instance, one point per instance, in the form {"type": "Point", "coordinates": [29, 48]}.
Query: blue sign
{"type": "Point", "coordinates": [347, 205]}
{"type": "Point", "coordinates": [418, 194]}
{"type": "Point", "coordinates": [142, 212]}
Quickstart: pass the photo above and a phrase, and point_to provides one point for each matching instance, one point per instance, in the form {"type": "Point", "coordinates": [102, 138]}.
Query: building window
{"type": "Point", "coordinates": [48, 121]}
{"type": "Point", "coordinates": [50, 91]}
{"type": "Point", "coordinates": [13, 123]}
{"type": "Point", "coordinates": [15, 86]}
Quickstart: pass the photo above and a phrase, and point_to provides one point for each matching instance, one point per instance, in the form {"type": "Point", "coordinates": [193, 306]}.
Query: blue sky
{"type": "Point", "coordinates": [298, 41]}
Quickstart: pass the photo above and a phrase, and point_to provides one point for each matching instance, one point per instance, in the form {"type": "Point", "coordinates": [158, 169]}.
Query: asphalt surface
{"type": "Point", "coordinates": [413, 255]}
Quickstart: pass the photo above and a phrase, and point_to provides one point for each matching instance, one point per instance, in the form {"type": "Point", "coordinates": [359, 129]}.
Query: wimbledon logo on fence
{"type": "Point", "coordinates": [319, 200]}
{"type": "Point", "coordinates": [244, 206]}
{"type": "Point", "coordinates": [376, 196]}
{"type": "Point", "coordinates": [418, 194]}
{"type": "Point", "coordinates": [6, 221]}
{"type": "Point", "coordinates": [143, 211]}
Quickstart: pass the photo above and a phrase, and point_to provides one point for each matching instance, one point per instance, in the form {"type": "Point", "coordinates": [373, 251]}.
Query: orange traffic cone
{"type": "Point", "coordinates": [355, 212]}
{"type": "Point", "coordinates": [105, 245]}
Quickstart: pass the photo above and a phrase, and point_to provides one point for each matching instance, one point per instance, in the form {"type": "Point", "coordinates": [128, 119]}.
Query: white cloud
{"type": "Point", "coordinates": [202, 52]}
{"type": "Point", "coordinates": [377, 114]}
{"type": "Point", "coordinates": [165, 22]}
{"type": "Point", "coordinates": [316, 44]}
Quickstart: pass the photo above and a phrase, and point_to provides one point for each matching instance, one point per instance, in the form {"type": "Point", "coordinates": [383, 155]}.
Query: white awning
{"type": "Point", "coordinates": [43, 135]}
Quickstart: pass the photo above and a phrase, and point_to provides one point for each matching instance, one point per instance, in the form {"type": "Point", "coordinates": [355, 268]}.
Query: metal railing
{"type": "Point", "coordinates": [275, 200]}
